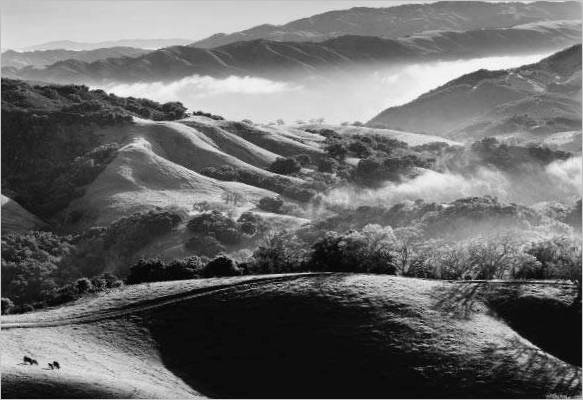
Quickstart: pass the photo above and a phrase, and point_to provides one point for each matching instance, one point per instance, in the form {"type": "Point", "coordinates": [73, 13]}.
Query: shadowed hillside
{"type": "Point", "coordinates": [17, 219]}
{"type": "Point", "coordinates": [347, 336]}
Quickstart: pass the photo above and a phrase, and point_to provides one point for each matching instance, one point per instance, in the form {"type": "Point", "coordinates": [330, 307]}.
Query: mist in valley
{"type": "Point", "coordinates": [559, 181]}
{"type": "Point", "coordinates": [355, 95]}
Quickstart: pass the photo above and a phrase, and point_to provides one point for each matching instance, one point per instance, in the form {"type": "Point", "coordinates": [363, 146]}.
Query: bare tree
{"type": "Point", "coordinates": [233, 197]}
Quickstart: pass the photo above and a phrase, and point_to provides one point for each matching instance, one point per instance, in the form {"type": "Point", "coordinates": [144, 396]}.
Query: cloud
{"type": "Point", "coordinates": [196, 86]}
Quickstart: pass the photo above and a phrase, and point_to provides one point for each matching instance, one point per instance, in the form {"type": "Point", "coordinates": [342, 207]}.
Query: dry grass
{"type": "Point", "coordinates": [332, 335]}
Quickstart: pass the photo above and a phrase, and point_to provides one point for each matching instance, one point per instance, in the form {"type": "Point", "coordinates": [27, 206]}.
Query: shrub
{"type": "Point", "coordinates": [33, 263]}
{"type": "Point", "coordinates": [188, 268]}
{"type": "Point", "coordinates": [285, 166]}
{"type": "Point", "coordinates": [151, 270]}
{"type": "Point", "coordinates": [209, 115]}
{"type": "Point", "coordinates": [251, 223]}
{"type": "Point", "coordinates": [560, 258]}
{"type": "Point", "coordinates": [359, 149]}
{"type": "Point", "coordinates": [220, 266]}
{"type": "Point", "coordinates": [27, 308]}
{"type": "Point", "coordinates": [270, 204]}
{"type": "Point", "coordinates": [328, 165]}
{"type": "Point", "coordinates": [173, 110]}
{"type": "Point", "coordinates": [215, 224]}
{"type": "Point", "coordinates": [248, 228]}
{"type": "Point", "coordinates": [83, 285]}
{"type": "Point", "coordinates": [304, 160]}
{"type": "Point", "coordinates": [228, 236]}
{"type": "Point", "coordinates": [203, 245]}
{"type": "Point", "coordinates": [374, 171]}
{"type": "Point", "coordinates": [336, 150]}
{"type": "Point", "coordinates": [280, 252]}
{"type": "Point", "coordinates": [7, 305]}
{"type": "Point", "coordinates": [366, 251]}
{"type": "Point", "coordinates": [156, 270]}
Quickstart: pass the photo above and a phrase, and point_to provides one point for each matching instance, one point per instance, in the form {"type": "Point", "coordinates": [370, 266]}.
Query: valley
{"type": "Point", "coordinates": [362, 203]}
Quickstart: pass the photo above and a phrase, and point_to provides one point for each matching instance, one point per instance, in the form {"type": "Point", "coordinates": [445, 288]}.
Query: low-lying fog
{"type": "Point", "coordinates": [357, 96]}
{"type": "Point", "coordinates": [559, 181]}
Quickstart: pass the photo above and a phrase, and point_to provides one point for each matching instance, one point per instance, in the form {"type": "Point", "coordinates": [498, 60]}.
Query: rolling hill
{"type": "Point", "coordinates": [285, 60]}
{"type": "Point", "coordinates": [40, 58]}
{"type": "Point", "coordinates": [402, 20]}
{"type": "Point", "coordinates": [536, 100]}
{"type": "Point", "coordinates": [185, 339]}
{"type": "Point", "coordinates": [81, 158]}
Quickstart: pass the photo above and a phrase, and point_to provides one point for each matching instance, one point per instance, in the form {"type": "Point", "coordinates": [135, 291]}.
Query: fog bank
{"type": "Point", "coordinates": [357, 95]}
{"type": "Point", "coordinates": [559, 181]}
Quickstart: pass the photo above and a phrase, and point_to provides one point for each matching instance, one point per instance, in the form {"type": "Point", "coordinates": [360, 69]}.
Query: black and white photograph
{"type": "Point", "coordinates": [291, 199]}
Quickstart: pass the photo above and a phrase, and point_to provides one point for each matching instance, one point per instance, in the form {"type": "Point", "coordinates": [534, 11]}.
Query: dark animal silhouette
{"type": "Point", "coordinates": [30, 361]}
{"type": "Point", "coordinates": [51, 366]}
{"type": "Point", "coordinates": [56, 365]}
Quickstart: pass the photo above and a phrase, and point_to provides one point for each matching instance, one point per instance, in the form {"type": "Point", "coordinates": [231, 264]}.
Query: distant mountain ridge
{"type": "Point", "coordinates": [538, 99]}
{"type": "Point", "coordinates": [402, 20]}
{"type": "Point", "coordinates": [278, 59]}
{"type": "Point", "coordinates": [39, 58]}
{"type": "Point", "coordinates": [78, 46]}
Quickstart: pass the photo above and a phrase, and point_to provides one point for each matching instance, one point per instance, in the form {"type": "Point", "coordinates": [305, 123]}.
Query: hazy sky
{"type": "Point", "coordinates": [29, 22]}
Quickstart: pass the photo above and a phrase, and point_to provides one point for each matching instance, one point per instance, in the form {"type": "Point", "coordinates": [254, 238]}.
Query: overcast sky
{"type": "Point", "coordinates": [30, 22]}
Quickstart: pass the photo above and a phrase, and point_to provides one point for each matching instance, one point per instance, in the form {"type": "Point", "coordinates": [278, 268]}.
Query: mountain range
{"type": "Point", "coordinates": [284, 59]}
{"type": "Point", "coordinates": [538, 99]}
{"type": "Point", "coordinates": [78, 46]}
{"type": "Point", "coordinates": [399, 21]}
{"type": "Point", "coordinates": [40, 58]}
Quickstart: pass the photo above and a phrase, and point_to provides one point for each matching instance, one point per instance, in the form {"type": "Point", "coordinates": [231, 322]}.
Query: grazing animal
{"type": "Point", "coordinates": [56, 365]}
{"type": "Point", "coordinates": [51, 366]}
{"type": "Point", "coordinates": [30, 361]}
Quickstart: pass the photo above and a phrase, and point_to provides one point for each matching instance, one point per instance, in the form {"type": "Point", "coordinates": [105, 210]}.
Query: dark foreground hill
{"type": "Point", "coordinates": [394, 22]}
{"type": "Point", "coordinates": [285, 60]}
{"type": "Point", "coordinates": [541, 98]}
{"type": "Point", "coordinates": [323, 336]}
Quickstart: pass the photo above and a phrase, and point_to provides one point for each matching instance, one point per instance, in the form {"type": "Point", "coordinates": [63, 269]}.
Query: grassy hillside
{"type": "Point", "coordinates": [186, 339]}
{"type": "Point", "coordinates": [53, 141]}
{"type": "Point", "coordinates": [537, 100]}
